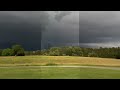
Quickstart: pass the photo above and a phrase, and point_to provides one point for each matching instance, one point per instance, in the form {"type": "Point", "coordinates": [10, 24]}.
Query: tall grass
{"type": "Point", "coordinates": [59, 60]}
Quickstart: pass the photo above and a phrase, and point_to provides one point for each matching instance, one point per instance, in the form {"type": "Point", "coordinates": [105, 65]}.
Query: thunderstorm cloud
{"type": "Point", "coordinates": [43, 29]}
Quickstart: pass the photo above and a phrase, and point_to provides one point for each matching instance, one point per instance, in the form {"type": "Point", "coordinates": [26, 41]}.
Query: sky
{"type": "Point", "coordinates": [100, 28]}
{"type": "Point", "coordinates": [43, 29]}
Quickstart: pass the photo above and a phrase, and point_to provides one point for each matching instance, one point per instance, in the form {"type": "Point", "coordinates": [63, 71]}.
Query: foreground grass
{"type": "Point", "coordinates": [26, 72]}
{"type": "Point", "coordinates": [57, 60]}
{"type": "Point", "coordinates": [28, 67]}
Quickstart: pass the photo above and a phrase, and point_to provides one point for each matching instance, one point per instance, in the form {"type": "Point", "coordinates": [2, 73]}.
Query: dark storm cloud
{"type": "Point", "coordinates": [99, 28]}
{"type": "Point", "coordinates": [36, 19]}
{"type": "Point", "coordinates": [23, 28]}
{"type": "Point", "coordinates": [59, 28]}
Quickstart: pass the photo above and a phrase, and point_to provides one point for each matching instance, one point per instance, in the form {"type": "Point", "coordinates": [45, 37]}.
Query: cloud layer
{"type": "Point", "coordinates": [59, 28]}
{"type": "Point", "coordinates": [100, 28]}
{"type": "Point", "coordinates": [22, 28]}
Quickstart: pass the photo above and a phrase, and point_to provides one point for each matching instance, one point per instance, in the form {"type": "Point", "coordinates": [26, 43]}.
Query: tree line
{"type": "Point", "coordinates": [18, 50]}
{"type": "Point", "coordinates": [78, 51]}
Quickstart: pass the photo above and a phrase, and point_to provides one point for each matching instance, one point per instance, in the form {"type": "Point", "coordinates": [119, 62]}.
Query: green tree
{"type": "Point", "coordinates": [76, 51]}
{"type": "Point", "coordinates": [8, 52]}
{"type": "Point", "coordinates": [18, 50]}
{"type": "Point", "coordinates": [44, 52]}
{"type": "Point", "coordinates": [20, 53]}
{"type": "Point", "coordinates": [55, 51]}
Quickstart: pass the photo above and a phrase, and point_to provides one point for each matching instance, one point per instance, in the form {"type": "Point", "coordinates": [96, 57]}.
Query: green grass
{"type": "Point", "coordinates": [57, 73]}
{"type": "Point", "coordinates": [28, 67]}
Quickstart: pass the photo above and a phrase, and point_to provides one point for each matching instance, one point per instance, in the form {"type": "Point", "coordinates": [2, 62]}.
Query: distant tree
{"type": "Point", "coordinates": [55, 51]}
{"type": "Point", "coordinates": [28, 53]}
{"type": "Point", "coordinates": [92, 54]}
{"type": "Point", "coordinates": [20, 53]}
{"type": "Point", "coordinates": [44, 52]}
{"type": "Point", "coordinates": [73, 51]}
{"type": "Point", "coordinates": [76, 51]}
{"type": "Point", "coordinates": [117, 55]}
{"type": "Point", "coordinates": [38, 52]}
{"type": "Point", "coordinates": [1, 52]}
{"type": "Point", "coordinates": [18, 50]}
{"type": "Point", "coordinates": [8, 52]}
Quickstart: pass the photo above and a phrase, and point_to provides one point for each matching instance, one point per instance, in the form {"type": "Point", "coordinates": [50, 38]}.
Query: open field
{"type": "Point", "coordinates": [58, 67]}
{"type": "Point", "coordinates": [57, 60]}
{"type": "Point", "coordinates": [35, 72]}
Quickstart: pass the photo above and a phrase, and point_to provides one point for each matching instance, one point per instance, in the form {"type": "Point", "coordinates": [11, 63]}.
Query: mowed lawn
{"type": "Point", "coordinates": [27, 72]}
{"type": "Point", "coordinates": [57, 60]}
{"type": "Point", "coordinates": [30, 67]}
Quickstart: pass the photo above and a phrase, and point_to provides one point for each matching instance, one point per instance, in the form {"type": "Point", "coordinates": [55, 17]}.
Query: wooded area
{"type": "Point", "coordinates": [78, 51]}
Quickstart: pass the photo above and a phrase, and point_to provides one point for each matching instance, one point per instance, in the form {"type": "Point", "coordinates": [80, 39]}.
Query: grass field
{"type": "Point", "coordinates": [57, 73]}
{"type": "Point", "coordinates": [57, 60]}
{"type": "Point", "coordinates": [30, 67]}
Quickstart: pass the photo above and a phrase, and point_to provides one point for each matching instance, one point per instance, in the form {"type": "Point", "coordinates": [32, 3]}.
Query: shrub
{"type": "Point", "coordinates": [8, 52]}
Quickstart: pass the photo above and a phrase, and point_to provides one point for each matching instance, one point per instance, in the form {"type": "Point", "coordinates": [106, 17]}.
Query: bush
{"type": "Point", "coordinates": [8, 52]}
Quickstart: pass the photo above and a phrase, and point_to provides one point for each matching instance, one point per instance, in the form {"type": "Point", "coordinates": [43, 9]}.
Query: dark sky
{"type": "Point", "coordinates": [100, 28]}
{"type": "Point", "coordinates": [59, 28]}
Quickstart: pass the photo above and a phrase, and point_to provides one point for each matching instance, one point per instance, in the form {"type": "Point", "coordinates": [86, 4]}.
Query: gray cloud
{"type": "Point", "coordinates": [97, 27]}
{"type": "Point", "coordinates": [22, 27]}
{"type": "Point", "coordinates": [91, 29]}
{"type": "Point", "coordinates": [61, 14]}
{"type": "Point", "coordinates": [25, 28]}
{"type": "Point", "coordinates": [64, 32]}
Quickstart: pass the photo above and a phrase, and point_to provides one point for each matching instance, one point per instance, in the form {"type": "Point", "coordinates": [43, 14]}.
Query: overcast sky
{"type": "Point", "coordinates": [100, 28]}
{"type": "Point", "coordinates": [59, 28]}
